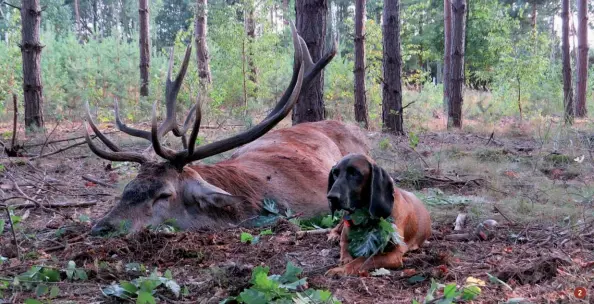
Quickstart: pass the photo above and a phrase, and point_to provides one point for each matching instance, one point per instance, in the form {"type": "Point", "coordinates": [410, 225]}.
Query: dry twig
{"type": "Point", "coordinates": [98, 182]}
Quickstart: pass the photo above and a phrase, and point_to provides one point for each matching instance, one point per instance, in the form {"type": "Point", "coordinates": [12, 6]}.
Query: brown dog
{"type": "Point", "coordinates": [357, 182]}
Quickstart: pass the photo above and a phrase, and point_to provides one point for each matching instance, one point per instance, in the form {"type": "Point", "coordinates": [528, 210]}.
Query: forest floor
{"type": "Point", "coordinates": [536, 183]}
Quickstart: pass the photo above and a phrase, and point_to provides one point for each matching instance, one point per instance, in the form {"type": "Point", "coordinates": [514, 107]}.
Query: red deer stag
{"type": "Point", "coordinates": [289, 166]}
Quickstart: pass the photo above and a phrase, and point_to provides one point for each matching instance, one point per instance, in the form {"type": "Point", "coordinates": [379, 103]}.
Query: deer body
{"type": "Point", "coordinates": [289, 166]}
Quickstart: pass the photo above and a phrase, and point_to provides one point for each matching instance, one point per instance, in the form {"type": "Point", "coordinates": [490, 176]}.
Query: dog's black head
{"type": "Point", "coordinates": [355, 182]}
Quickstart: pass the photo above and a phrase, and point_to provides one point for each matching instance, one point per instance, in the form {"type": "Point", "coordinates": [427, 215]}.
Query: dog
{"type": "Point", "coordinates": [357, 182]}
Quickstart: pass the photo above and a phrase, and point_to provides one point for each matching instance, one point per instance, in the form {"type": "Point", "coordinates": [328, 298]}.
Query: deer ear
{"type": "Point", "coordinates": [381, 191]}
{"type": "Point", "coordinates": [205, 196]}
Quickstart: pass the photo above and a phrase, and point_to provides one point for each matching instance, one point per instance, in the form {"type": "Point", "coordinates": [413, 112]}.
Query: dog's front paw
{"type": "Point", "coordinates": [333, 236]}
{"type": "Point", "coordinates": [337, 272]}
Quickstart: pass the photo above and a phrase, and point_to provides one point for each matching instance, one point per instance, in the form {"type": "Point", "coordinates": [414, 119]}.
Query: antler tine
{"type": "Point", "coordinates": [280, 112]}
{"type": "Point", "coordinates": [171, 90]}
{"type": "Point", "coordinates": [164, 152]}
{"type": "Point", "coordinates": [196, 128]}
{"type": "Point", "coordinates": [113, 156]}
{"type": "Point", "coordinates": [98, 133]}
{"type": "Point", "coordinates": [124, 128]}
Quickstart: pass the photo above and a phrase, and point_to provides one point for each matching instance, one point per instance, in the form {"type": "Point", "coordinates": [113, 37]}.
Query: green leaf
{"type": "Point", "coordinates": [50, 275]}
{"type": "Point", "coordinates": [449, 292]}
{"type": "Point", "coordinates": [32, 301]}
{"type": "Point", "coordinates": [185, 291]}
{"type": "Point", "coordinates": [365, 241]}
{"type": "Point", "coordinates": [494, 279]}
{"type": "Point", "coordinates": [470, 292]}
{"type": "Point", "coordinates": [71, 265]}
{"type": "Point", "coordinates": [251, 296]}
{"type": "Point", "coordinates": [41, 290]}
{"type": "Point", "coordinates": [168, 274]}
{"type": "Point", "coordinates": [133, 267]}
{"type": "Point", "coordinates": [416, 279]}
{"type": "Point", "coordinates": [149, 285]}
{"type": "Point", "coordinates": [54, 291]}
{"type": "Point", "coordinates": [145, 297]}
{"type": "Point", "coordinates": [360, 217]}
{"type": "Point", "coordinates": [115, 290]}
{"type": "Point", "coordinates": [413, 140]}
{"type": "Point", "coordinates": [2, 224]}
{"type": "Point", "coordinates": [294, 285]}
{"type": "Point", "coordinates": [80, 274]}
{"type": "Point", "coordinates": [291, 274]}
{"type": "Point", "coordinates": [246, 237]}
{"type": "Point", "coordinates": [266, 232]}
{"type": "Point", "coordinates": [263, 283]}
{"type": "Point", "coordinates": [270, 206]}
{"type": "Point", "coordinates": [84, 218]}
{"type": "Point", "coordinates": [327, 222]}
{"type": "Point", "coordinates": [128, 287]}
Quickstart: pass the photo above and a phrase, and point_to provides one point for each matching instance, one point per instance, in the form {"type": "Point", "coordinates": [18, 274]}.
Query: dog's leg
{"type": "Point", "coordinates": [334, 234]}
{"type": "Point", "coordinates": [345, 256]}
{"type": "Point", "coordinates": [390, 260]}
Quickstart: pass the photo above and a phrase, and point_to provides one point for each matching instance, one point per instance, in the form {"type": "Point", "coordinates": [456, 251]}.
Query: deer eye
{"type": "Point", "coordinates": [162, 196]}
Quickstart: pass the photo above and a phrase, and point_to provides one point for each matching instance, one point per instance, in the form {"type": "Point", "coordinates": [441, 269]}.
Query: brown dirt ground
{"type": "Point", "coordinates": [544, 264]}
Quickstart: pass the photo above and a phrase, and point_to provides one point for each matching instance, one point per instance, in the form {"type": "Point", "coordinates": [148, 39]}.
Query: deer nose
{"type": "Point", "coordinates": [101, 229]}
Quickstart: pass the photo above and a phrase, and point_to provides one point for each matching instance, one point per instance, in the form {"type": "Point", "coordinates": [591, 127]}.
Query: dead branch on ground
{"type": "Point", "coordinates": [96, 181]}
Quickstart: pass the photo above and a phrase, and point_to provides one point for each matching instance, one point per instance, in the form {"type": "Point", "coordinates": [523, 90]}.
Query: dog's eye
{"type": "Point", "coordinates": [352, 172]}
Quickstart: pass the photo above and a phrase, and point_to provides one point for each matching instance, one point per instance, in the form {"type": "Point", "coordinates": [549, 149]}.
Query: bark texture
{"type": "Point", "coordinates": [447, 51]}
{"type": "Point", "coordinates": [392, 63]}
{"type": "Point", "coordinates": [311, 25]}
{"type": "Point", "coordinates": [582, 59]}
{"type": "Point", "coordinates": [31, 54]}
{"type": "Point", "coordinates": [456, 86]}
{"type": "Point", "coordinates": [201, 47]}
{"type": "Point", "coordinates": [567, 89]}
{"type": "Point", "coordinates": [250, 31]}
{"type": "Point", "coordinates": [360, 97]}
{"type": "Point", "coordinates": [145, 55]}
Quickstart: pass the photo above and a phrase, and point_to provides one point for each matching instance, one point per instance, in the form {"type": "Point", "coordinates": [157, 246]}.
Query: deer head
{"type": "Point", "coordinates": [171, 190]}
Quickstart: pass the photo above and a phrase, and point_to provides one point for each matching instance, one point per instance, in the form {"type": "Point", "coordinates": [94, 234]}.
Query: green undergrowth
{"type": "Point", "coordinates": [284, 288]}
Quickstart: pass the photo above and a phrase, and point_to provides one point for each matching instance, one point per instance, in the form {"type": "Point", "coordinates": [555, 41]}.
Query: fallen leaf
{"type": "Point", "coordinates": [475, 281]}
{"type": "Point", "coordinates": [380, 272]}
{"type": "Point", "coordinates": [90, 184]}
{"type": "Point", "coordinates": [409, 272]}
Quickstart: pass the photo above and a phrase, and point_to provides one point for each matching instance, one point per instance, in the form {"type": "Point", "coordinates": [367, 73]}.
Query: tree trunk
{"type": "Point", "coordinates": [360, 100]}
{"type": "Point", "coordinates": [201, 46]}
{"type": "Point", "coordinates": [31, 53]}
{"type": "Point", "coordinates": [534, 14]}
{"type": "Point", "coordinates": [392, 63]}
{"type": "Point", "coordinates": [77, 24]}
{"type": "Point", "coordinates": [145, 55]}
{"type": "Point", "coordinates": [286, 12]}
{"type": "Point", "coordinates": [311, 25]}
{"type": "Point", "coordinates": [457, 69]}
{"type": "Point", "coordinates": [567, 88]}
{"type": "Point", "coordinates": [582, 59]}
{"type": "Point", "coordinates": [447, 52]}
{"type": "Point", "coordinates": [250, 30]}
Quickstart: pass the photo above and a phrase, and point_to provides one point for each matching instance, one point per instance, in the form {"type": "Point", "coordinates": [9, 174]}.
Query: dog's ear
{"type": "Point", "coordinates": [381, 191]}
{"type": "Point", "coordinates": [330, 184]}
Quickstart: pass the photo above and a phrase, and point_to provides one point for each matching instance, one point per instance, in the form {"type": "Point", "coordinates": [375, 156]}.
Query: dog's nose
{"type": "Point", "coordinates": [334, 200]}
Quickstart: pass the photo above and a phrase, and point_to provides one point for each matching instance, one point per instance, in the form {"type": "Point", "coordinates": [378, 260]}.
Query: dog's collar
{"type": "Point", "coordinates": [347, 220]}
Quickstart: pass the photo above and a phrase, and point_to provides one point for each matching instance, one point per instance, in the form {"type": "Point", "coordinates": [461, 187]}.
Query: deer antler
{"type": "Point", "coordinates": [171, 90]}
{"type": "Point", "coordinates": [302, 62]}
